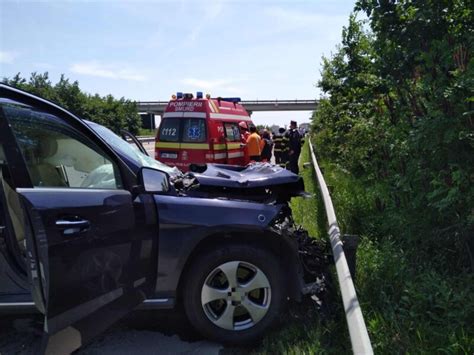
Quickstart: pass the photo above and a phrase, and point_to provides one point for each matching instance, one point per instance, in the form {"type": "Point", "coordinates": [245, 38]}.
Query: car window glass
{"type": "Point", "coordinates": [124, 148]}
{"type": "Point", "coordinates": [232, 132]}
{"type": "Point", "coordinates": [194, 130]}
{"type": "Point", "coordinates": [57, 155]}
{"type": "Point", "coordinates": [132, 144]}
{"type": "Point", "coordinates": [169, 130]}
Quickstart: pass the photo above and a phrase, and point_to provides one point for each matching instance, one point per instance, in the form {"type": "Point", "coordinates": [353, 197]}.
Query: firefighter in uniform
{"type": "Point", "coordinates": [294, 147]}
{"type": "Point", "coordinates": [280, 146]}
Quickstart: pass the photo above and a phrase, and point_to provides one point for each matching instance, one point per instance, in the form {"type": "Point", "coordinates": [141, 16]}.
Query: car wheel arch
{"type": "Point", "coordinates": [282, 247]}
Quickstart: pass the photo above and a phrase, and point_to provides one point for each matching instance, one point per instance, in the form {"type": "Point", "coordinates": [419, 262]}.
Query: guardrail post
{"type": "Point", "coordinates": [350, 243]}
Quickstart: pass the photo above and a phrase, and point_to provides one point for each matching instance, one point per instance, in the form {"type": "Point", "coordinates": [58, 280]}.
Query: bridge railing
{"type": "Point", "coordinates": [248, 102]}
{"type": "Point", "coordinates": [152, 102]}
{"type": "Point", "coordinates": [355, 321]}
{"type": "Point", "coordinates": [282, 102]}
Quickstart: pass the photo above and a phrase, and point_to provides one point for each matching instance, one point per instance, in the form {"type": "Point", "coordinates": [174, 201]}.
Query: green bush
{"type": "Point", "coordinates": [409, 305]}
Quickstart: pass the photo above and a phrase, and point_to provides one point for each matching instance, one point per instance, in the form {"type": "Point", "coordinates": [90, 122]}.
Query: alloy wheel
{"type": "Point", "coordinates": [236, 295]}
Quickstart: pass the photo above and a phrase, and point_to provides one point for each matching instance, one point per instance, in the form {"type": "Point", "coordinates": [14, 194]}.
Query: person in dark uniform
{"type": "Point", "coordinates": [280, 147]}
{"type": "Point", "coordinates": [294, 147]}
{"type": "Point", "coordinates": [266, 145]}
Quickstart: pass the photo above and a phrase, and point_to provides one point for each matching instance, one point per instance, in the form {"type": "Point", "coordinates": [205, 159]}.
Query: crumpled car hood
{"type": "Point", "coordinates": [253, 175]}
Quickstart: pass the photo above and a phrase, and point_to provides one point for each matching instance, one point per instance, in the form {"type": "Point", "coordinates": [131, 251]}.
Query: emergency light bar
{"type": "Point", "coordinates": [235, 100]}
{"type": "Point", "coordinates": [199, 95]}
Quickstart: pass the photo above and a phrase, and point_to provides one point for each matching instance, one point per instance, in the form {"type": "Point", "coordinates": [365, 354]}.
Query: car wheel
{"type": "Point", "coordinates": [234, 293]}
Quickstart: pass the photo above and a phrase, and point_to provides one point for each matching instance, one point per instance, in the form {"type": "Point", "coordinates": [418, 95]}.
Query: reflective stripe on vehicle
{"type": "Point", "coordinates": [172, 114]}
{"type": "Point", "coordinates": [235, 154]}
{"type": "Point", "coordinates": [182, 145]}
{"type": "Point", "coordinates": [216, 156]}
{"type": "Point", "coordinates": [233, 145]}
{"type": "Point", "coordinates": [227, 146]}
{"type": "Point", "coordinates": [195, 114]}
{"type": "Point", "coordinates": [220, 156]}
{"type": "Point", "coordinates": [213, 106]}
{"type": "Point", "coordinates": [225, 115]}
{"type": "Point", "coordinates": [195, 146]}
{"type": "Point", "coordinates": [179, 114]}
{"type": "Point", "coordinates": [167, 145]}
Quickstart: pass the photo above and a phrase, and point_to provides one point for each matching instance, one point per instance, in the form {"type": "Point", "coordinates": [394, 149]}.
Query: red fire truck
{"type": "Point", "coordinates": [201, 130]}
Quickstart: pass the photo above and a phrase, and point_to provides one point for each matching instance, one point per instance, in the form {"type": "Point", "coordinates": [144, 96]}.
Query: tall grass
{"type": "Point", "coordinates": [408, 304]}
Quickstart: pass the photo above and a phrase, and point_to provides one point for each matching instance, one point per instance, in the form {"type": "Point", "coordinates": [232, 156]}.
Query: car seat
{"type": "Point", "coordinates": [43, 172]}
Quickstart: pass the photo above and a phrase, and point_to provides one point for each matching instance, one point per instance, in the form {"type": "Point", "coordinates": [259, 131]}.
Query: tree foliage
{"type": "Point", "coordinates": [395, 130]}
{"type": "Point", "coordinates": [113, 113]}
{"type": "Point", "coordinates": [397, 114]}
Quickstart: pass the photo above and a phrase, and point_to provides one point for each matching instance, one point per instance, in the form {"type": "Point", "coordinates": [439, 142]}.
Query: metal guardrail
{"type": "Point", "coordinates": [355, 321]}
{"type": "Point", "coordinates": [146, 139]}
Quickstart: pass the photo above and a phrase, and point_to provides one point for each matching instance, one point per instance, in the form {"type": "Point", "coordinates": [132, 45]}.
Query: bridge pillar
{"type": "Point", "coordinates": [148, 120]}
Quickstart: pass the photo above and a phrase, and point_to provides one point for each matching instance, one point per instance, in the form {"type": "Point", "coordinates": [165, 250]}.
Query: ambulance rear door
{"type": "Point", "coordinates": [167, 145]}
{"type": "Point", "coordinates": [195, 145]}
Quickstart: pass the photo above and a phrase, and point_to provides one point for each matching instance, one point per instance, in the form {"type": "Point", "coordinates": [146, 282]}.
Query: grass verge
{"type": "Point", "coordinates": [409, 305]}
{"type": "Point", "coordinates": [304, 329]}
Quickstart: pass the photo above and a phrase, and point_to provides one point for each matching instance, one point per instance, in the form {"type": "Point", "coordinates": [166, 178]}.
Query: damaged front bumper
{"type": "Point", "coordinates": [312, 255]}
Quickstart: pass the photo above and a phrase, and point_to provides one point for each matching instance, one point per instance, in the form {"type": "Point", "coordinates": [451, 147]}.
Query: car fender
{"type": "Point", "coordinates": [186, 221]}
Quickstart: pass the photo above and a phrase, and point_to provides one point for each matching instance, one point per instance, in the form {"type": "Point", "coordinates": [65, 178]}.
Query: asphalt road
{"type": "Point", "coordinates": [163, 332]}
{"type": "Point", "coordinates": [142, 333]}
{"type": "Point", "coordinates": [150, 148]}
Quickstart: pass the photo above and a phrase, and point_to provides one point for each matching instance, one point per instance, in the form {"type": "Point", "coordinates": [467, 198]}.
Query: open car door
{"type": "Point", "coordinates": [91, 243]}
{"type": "Point", "coordinates": [130, 138]}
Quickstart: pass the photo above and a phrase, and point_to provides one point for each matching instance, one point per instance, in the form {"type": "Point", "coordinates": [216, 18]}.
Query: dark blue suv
{"type": "Point", "coordinates": [91, 227]}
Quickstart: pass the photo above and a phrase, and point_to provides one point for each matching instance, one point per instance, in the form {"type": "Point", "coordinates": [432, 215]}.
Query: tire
{"type": "Point", "coordinates": [234, 315]}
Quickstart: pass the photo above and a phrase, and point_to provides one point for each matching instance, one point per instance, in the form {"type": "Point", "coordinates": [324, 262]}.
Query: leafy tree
{"type": "Point", "coordinates": [114, 113]}
{"type": "Point", "coordinates": [397, 113]}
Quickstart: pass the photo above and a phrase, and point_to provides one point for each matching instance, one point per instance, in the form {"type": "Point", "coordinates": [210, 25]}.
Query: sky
{"type": "Point", "coordinates": [148, 50]}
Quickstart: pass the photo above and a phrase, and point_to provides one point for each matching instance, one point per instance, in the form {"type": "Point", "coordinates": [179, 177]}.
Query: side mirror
{"type": "Point", "coordinates": [153, 181]}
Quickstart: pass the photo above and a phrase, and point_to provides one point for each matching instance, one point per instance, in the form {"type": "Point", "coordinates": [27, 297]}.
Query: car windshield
{"type": "Point", "coordinates": [131, 153]}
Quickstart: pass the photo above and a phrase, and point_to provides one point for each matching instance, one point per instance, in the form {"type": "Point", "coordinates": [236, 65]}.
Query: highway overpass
{"type": "Point", "coordinates": [158, 107]}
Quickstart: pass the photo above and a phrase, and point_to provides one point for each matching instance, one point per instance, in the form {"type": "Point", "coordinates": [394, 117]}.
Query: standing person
{"type": "Point", "coordinates": [253, 144]}
{"type": "Point", "coordinates": [244, 134]}
{"type": "Point", "coordinates": [280, 146]}
{"type": "Point", "coordinates": [244, 131]}
{"type": "Point", "coordinates": [266, 146]}
{"type": "Point", "coordinates": [294, 147]}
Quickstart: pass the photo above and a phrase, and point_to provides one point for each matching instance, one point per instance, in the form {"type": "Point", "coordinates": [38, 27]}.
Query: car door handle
{"type": "Point", "coordinates": [73, 226]}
